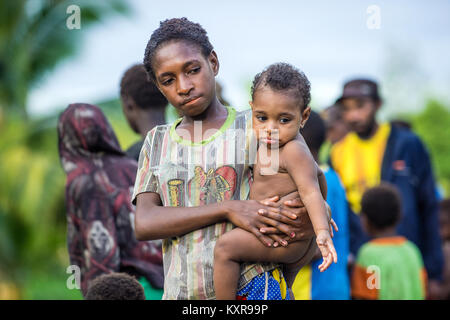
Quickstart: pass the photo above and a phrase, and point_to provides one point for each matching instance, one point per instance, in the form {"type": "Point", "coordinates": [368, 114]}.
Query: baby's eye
{"type": "Point", "coordinates": [284, 120]}
{"type": "Point", "coordinates": [261, 118]}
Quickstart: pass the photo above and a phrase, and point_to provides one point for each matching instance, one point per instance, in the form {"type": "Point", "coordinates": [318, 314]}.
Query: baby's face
{"type": "Point", "coordinates": [277, 117]}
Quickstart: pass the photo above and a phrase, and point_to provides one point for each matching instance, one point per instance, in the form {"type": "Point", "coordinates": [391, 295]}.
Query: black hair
{"type": "Point", "coordinates": [382, 206]}
{"type": "Point", "coordinates": [314, 131]}
{"type": "Point", "coordinates": [115, 286]}
{"type": "Point", "coordinates": [284, 77]}
{"type": "Point", "coordinates": [136, 85]}
{"type": "Point", "coordinates": [332, 113]}
{"type": "Point", "coordinates": [175, 29]}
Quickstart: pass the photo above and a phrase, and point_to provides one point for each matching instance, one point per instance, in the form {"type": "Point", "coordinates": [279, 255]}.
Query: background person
{"type": "Point", "coordinates": [115, 286]}
{"type": "Point", "coordinates": [374, 152]}
{"type": "Point", "coordinates": [143, 105]}
{"type": "Point", "coordinates": [388, 267]}
{"type": "Point", "coordinates": [100, 217]}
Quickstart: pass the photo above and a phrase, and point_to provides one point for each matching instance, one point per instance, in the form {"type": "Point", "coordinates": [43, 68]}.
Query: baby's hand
{"type": "Point", "coordinates": [325, 244]}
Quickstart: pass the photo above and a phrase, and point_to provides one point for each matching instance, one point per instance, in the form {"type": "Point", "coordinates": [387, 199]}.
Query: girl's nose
{"type": "Point", "coordinates": [184, 86]}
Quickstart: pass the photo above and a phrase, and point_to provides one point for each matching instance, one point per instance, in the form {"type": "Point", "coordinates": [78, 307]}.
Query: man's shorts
{"type": "Point", "coordinates": [267, 286]}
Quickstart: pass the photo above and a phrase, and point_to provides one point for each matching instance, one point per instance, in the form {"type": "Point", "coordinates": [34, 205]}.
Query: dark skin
{"type": "Point", "coordinates": [141, 120]}
{"type": "Point", "coordinates": [186, 78]}
{"type": "Point", "coordinates": [359, 115]}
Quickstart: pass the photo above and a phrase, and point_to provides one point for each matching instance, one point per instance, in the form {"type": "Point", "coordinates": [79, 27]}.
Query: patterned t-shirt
{"type": "Point", "coordinates": [186, 173]}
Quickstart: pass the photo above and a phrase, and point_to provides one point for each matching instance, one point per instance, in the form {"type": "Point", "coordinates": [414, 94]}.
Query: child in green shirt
{"type": "Point", "coordinates": [389, 267]}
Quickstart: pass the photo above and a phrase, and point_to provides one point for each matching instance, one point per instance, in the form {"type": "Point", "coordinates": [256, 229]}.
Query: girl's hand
{"type": "Point", "coordinates": [326, 247]}
{"type": "Point", "coordinates": [249, 215]}
{"type": "Point", "coordinates": [292, 214]}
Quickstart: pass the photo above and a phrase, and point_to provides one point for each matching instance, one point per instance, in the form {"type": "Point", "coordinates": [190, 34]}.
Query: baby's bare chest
{"type": "Point", "coordinates": [271, 182]}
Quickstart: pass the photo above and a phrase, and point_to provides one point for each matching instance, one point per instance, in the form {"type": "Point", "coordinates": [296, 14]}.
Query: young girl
{"type": "Point", "coordinates": [280, 95]}
{"type": "Point", "coordinates": [193, 173]}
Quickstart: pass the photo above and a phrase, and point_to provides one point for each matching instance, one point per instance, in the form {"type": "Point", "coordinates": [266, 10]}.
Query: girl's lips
{"type": "Point", "coordinates": [190, 101]}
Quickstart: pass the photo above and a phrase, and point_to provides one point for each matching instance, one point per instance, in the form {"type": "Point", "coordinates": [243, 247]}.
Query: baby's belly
{"type": "Point", "coordinates": [271, 186]}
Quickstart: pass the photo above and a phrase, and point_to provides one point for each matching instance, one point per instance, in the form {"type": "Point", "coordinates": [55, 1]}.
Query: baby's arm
{"type": "Point", "coordinates": [298, 161]}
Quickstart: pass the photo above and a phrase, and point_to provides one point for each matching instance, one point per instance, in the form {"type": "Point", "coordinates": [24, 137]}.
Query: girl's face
{"type": "Point", "coordinates": [277, 117]}
{"type": "Point", "coordinates": [185, 77]}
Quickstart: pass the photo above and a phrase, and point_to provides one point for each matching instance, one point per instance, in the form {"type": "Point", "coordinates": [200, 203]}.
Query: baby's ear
{"type": "Point", "coordinates": [305, 116]}
{"type": "Point", "coordinates": [251, 104]}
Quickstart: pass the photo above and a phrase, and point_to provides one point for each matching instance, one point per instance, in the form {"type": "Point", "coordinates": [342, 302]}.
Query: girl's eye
{"type": "Point", "coordinates": [284, 120]}
{"type": "Point", "coordinates": [261, 118]}
{"type": "Point", "coordinates": [167, 82]}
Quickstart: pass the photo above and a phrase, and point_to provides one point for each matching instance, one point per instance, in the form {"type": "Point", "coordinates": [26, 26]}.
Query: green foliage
{"type": "Point", "coordinates": [35, 38]}
{"type": "Point", "coordinates": [433, 126]}
{"type": "Point", "coordinates": [31, 202]}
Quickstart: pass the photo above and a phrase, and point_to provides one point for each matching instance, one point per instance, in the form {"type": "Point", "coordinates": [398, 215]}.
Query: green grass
{"type": "Point", "coordinates": [49, 286]}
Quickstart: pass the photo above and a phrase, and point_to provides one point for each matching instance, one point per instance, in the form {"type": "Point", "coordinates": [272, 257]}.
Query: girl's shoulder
{"type": "Point", "coordinates": [159, 130]}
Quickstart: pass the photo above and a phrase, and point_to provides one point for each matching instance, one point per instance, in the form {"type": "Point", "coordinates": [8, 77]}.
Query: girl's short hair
{"type": "Point", "coordinates": [175, 29]}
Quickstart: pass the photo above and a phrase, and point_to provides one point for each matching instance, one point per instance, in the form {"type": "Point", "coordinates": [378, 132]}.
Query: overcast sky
{"type": "Point", "coordinates": [331, 41]}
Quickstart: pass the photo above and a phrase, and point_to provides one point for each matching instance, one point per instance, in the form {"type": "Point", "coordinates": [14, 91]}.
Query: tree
{"type": "Point", "coordinates": [35, 38]}
{"type": "Point", "coordinates": [432, 124]}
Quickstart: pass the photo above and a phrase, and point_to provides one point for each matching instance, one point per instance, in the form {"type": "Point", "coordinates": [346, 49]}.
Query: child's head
{"type": "Point", "coordinates": [181, 61]}
{"type": "Point", "coordinates": [280, 98]}
{"type": "Point", "coordinates": [444, 219]}
{"type": "Point", "coordinates": [139, 95]}
{"type": "Point", "coordinates": [314, 133]}
{"type": "Point", "coordinates": [335, 125]}
{"type": "Point", "coordinates": [115, 286]}
{"type": "Point", "coordinates": [380, 208]}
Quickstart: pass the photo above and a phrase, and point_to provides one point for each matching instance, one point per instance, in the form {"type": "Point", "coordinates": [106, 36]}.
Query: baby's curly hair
{"type": "Point", "coordinates": [145, 94]}
{"type": "Point", "coordinates": [171, 29]}
{"type": "Point", "coordinates": [284, 77]}
{"type": "Point", "coordinates": [115, 286]}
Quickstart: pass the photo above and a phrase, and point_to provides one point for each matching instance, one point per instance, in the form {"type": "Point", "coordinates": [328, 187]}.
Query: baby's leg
{"type": "Point", "coordinates": [238, 246]}
{"type": "Point", "coordinates": [290, 270]}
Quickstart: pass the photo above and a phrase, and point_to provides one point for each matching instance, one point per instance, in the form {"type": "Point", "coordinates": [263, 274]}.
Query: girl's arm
{"type": "Point", "coordinates": [154, 221]}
